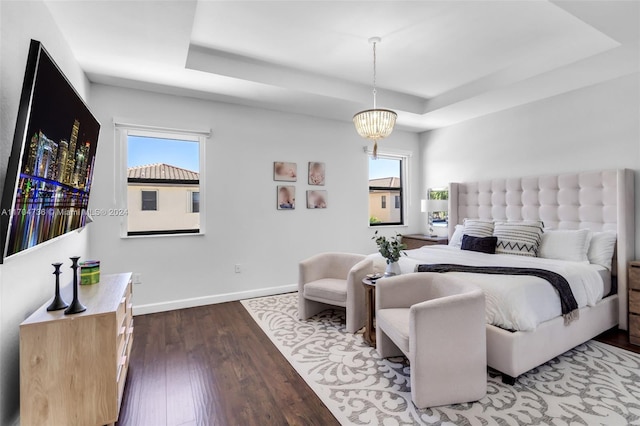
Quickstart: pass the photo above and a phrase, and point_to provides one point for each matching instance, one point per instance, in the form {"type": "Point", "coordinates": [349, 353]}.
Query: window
{"type": "Point", "coordinates": [195, 202]}
{"type": "Point", "coordinates": [163, 168]}
{"type": "Point", "coordinates": [438, 198]}
{"type": "Point", "coordinates": [149, 200]}
{"type": "Point", "coordinates": [386, 177]}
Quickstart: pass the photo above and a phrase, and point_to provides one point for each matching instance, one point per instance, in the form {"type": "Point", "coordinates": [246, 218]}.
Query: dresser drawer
{"type": "Point", "coordinates": [120, 313]}
{"type": "Point", "coordinates": [128, 303]}
{"type": "Point", "coordinates": [123, 363]}
{"type": "Point", "coordinates": [634, 329]}
{"type": "Point", "coordinates": [634, 302]}
{"type": "Point", "coordinates": [634, 275]}
{"type": "Point", "coordinates": [634, 325]}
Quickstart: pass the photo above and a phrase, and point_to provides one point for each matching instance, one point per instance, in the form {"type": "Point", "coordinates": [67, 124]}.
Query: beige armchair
{"type": "Point", "coordinates": [334, 279]}
{"type": "Point", "coordinates": [438, 323]}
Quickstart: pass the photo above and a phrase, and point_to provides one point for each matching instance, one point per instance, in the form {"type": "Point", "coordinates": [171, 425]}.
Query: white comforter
{"type": "Point", "coordinates": [513, 302]}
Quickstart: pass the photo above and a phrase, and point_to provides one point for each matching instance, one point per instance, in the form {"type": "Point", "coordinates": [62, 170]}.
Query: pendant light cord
{"type": "Point", "coordinates": [375, 141]}
{"type": "Point", "coordinates": [374, 75]}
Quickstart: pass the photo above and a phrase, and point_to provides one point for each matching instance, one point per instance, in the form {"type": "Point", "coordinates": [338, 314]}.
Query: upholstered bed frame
{"type": "Point", "coordinates": [599, 201]}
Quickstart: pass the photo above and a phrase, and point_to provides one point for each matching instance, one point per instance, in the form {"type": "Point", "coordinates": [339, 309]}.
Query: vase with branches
{"type": "Point", "coordinates": [391, 249]}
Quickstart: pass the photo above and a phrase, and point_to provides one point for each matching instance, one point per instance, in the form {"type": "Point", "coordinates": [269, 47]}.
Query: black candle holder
{"type": "Point", "coordinates": [58, 302]}
{"type": "Point", "coordinates": [76, 307]}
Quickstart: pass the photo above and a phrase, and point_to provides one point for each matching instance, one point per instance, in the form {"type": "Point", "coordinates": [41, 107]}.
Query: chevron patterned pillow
{"type": "Point", "coordinates": [519, 238]}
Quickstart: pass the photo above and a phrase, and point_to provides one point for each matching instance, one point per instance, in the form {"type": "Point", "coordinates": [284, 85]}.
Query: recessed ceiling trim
{"type": "Point", "coordinates": [218, 62]}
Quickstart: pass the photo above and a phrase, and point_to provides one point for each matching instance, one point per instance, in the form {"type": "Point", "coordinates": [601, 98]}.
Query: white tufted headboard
{"type": "Point", "coordinates": [600, 201]}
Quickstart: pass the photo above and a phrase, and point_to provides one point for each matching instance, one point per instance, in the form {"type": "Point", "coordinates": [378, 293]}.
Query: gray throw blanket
{"type": "Point", "coordinates": [568, 302]}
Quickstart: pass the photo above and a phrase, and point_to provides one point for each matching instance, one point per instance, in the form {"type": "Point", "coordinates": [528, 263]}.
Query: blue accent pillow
{"type": "Point", "coordinates": [481, 244]}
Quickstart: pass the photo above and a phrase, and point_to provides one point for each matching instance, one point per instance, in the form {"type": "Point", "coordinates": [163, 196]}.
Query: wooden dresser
{"type": "Point", "coordinates": [634, 302]}
{"type": "Point", "coordinates": [414, 241]}
{"type": "Point", "coordinates": [73, 367]}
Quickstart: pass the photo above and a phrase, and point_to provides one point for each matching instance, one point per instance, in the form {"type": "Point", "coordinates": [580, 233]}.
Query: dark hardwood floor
{"type": "Point", "coordinates": [619, 338]}
{"type": "Point", "coordinates": [213, 365]}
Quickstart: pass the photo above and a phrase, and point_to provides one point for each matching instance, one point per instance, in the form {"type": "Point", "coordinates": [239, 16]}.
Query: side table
{"type": "Point", "coordinates": [414, 241]}
{"type": "Point", "coordinates": [370, 300]}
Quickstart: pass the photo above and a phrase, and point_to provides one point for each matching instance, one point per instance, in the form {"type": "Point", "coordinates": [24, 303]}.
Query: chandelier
{"type": "Point", "coordinates": [376, 123]}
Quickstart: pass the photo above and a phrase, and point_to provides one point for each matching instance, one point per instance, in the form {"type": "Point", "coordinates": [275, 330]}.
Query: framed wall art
{"type": "Point", "coordinates": [285, 172]}
{"type": "Point", "coordinates": [286, 197]}
{"type": "Point", "coordinates": [316, 173]}
{"type": "Point", "coordinates": [316, 199]}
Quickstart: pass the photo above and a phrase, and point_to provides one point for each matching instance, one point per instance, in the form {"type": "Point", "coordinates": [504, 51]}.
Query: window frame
{"type": "Point", "coordinates": [383, 201]}
{"type": "Point", "coordinates": [443, 191]}
{"type": "Point", "coordinates": [404, 158]}
{"type": "Point", "coordinates": [123, 130]}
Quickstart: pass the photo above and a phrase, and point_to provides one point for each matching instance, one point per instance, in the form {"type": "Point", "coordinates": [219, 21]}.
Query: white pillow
{"type": "Point", "coordinates": [601, 248]}
{"type": "Point", "coordinates": [478, 228]}
{"type": "Point", "coordinates": [456, 238]}
{"type": "Point", "coordinates": [565, 244]}
{"type": "Point", "coordinates": [518, 238]}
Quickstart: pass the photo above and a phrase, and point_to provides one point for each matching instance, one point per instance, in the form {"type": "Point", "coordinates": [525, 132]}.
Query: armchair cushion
{"type": "Point", "coordinates": [329, 290]}
{"type": "Point", "coordinates": [395, 322]}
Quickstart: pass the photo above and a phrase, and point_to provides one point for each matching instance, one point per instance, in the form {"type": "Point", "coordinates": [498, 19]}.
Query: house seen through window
{"type": "Point", "coordinates": [386, 206]}
{"type": "Point", "coordinates": [163, 184]}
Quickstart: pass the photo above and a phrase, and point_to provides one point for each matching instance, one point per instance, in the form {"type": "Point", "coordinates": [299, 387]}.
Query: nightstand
{"type": "Point", "coordinates": [414, 241]}
{"type": "Point", "coordinates": [634, 302]}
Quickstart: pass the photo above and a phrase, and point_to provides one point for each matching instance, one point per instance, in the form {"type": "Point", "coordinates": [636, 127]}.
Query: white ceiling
{"type": "Point", "coordinates": [439, 63]}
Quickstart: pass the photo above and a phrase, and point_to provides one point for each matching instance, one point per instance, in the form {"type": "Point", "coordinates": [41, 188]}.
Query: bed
{"type": "Point", "coordinates": [597, 201]}
{"type": "Point", "coordinates": [518, 303]}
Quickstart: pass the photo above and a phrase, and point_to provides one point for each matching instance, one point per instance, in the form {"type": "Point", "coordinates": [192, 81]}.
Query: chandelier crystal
{"type": "Point", "coordinates": [376, 123]}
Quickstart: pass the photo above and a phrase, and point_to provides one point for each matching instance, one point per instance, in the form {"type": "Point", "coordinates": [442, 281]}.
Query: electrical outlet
{"type": "Point", "coordinates": [238, 268]}
{"type": "Point", "coordinates": [136, 278]}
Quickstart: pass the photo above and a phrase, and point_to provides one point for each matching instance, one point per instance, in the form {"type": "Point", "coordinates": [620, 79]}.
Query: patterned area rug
{"type": "Point", "coordinates": [593, 384]}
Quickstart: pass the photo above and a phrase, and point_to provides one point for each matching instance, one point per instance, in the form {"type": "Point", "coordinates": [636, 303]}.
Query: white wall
{"type": "Point", "coordinates": [25, 280]}
{"type": "Point", "coordinates": [587, 129]}
{"type": "Point", "coordinates": [243, 225]}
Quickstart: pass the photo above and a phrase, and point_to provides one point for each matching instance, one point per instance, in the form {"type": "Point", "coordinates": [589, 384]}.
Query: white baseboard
{"type": "Point", "coordinates": [152, 308]}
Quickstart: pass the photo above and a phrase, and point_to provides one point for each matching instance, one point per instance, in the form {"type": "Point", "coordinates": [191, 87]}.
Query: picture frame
{"type": "Point", "coordinates": [316, 199]}
{"type": "Point", "coordinates": [316, 173]}
{"type": "Point", "coordinates": [286, 197]}
{"type": "Point", "coordinates": [284, 171]}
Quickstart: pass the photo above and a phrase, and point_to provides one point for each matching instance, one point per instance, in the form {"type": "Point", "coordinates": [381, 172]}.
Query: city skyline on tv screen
{"type": "Point", "coordinates": [56, 161]}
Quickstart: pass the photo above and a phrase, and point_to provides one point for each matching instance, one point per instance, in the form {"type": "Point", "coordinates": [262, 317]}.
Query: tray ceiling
{"type": "Point", "coordinates": [439, 63]}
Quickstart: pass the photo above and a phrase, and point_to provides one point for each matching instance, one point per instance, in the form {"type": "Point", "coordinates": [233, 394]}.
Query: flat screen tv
{"type": "Point", "coordinates": [48, 181]}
